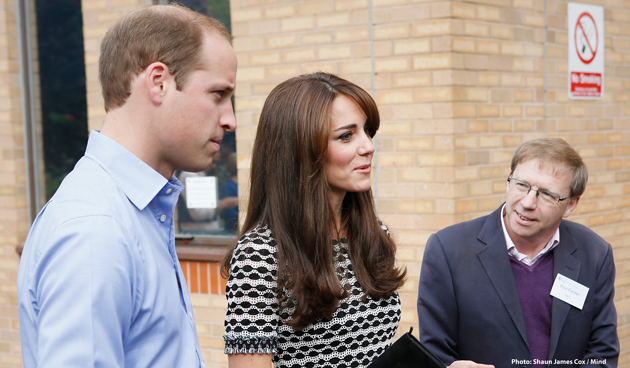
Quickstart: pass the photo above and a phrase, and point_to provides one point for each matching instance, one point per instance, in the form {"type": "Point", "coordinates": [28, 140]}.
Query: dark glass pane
{"type": "Point", "coordinates": [217, 9]}
{"type": "Point", "coordinates": [62, 86]}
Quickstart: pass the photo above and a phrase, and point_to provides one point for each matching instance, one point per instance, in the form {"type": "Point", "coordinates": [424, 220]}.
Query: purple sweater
{"type": "Point", "coordinates": [534, 285]}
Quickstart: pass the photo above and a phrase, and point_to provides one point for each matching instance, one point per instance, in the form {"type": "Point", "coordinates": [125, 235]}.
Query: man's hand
{"type": "Point", "coordinates": [468, 364]}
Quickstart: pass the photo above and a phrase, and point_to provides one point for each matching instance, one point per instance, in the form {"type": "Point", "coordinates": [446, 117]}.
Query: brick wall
{"type": "Point", "coordinates": [209, 316]}
{"type": "Point", "coordinates": [13, 200]}
{"type": "Point", "coordinates": [459, 85]}
{"type": "Point", "coordinates": [207, 295]}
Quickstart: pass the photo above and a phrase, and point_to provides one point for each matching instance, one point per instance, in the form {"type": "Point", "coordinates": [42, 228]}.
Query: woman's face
{"type": "Point", "coordinates": [350, 149]}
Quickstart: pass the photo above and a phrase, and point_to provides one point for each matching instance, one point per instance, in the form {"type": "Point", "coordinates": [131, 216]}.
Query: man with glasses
{"type": "Point", "coordinates": [522, 287]}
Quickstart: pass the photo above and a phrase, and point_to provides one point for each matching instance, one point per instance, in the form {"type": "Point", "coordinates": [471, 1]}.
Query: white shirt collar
{"type": "Point", "coordinates": [511, 248]}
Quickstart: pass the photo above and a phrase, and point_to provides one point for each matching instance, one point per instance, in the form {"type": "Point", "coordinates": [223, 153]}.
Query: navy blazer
{"type": "Point", "coordinates": [469, 308]}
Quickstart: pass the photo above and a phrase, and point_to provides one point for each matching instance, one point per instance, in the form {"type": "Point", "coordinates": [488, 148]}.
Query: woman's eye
{"type": "Point", "coordinates": [345, 136]}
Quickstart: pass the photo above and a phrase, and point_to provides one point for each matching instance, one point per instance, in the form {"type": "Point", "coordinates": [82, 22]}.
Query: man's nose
{"type": "Point", "coordinates": [227, 119]}
{"type": "Point", "coordinates": [531, 199]}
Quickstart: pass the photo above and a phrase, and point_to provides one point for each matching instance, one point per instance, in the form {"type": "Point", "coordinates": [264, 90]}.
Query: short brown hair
{"type": "Point", "coordinates": [171, 34]}
{"type": "Point", "coordinates": [555, 151]}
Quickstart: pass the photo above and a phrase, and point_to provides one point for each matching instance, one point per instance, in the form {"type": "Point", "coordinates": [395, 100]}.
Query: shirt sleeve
{"type": "Point", "coordinates": [603, 344]}
{"type": "Point", "coordinates": [82, 294]}
{"type": "Point", "coordinates": [437, 307]}
{"type": "Point", "coordinates": [252, 318]}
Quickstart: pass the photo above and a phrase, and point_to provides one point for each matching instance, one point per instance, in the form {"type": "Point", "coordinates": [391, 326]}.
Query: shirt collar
{"type": "Point", "coordinates": [136, 179]}
{"type": "Point", "coordinates": [511, 248]}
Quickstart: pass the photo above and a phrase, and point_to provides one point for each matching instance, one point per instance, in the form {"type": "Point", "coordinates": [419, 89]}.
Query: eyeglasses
{"type": "Point", "coordinates": [523, 187]}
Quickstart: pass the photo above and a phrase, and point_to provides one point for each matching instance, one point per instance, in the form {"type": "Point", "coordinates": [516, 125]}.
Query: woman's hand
{"type": "Point", "coordinates": [467, 364]}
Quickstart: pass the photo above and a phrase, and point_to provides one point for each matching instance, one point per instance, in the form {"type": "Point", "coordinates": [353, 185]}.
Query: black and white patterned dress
{"type": "Point", "coordinates": [358, 332]}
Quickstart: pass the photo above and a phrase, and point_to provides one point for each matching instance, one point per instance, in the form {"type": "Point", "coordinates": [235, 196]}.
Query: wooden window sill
{"type": "Point", "coordinates": [208, 249]}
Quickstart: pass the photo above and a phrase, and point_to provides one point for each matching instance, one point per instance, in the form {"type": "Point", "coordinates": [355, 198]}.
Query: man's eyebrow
{"type": "Point", "coordinates": [224, 86]}
{"type": "Point", "coordinates": [349, 126]}
{"type": "Point", "coordinates": [539, 188]}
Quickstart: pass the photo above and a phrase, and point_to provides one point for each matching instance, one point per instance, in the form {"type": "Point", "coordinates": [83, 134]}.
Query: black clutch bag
{"type": "Point", "coordinates": [407, 352]}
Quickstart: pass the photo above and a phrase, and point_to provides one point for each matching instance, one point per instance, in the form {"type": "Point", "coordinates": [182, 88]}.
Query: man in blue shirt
{"type": "Point", "coordinates": [99, 281]}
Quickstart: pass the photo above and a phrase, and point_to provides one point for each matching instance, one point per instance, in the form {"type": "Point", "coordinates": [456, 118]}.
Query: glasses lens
{"type": "Point", "coordinates": [519, 185]}
{"type": "Point", "coordinates": [523, 187]}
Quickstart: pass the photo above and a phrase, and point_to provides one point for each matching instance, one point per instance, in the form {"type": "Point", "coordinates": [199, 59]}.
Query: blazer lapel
{"type": "Point", "coordinates": [569, 266]}
{"type": "Point", "coordinates": [496, 263]}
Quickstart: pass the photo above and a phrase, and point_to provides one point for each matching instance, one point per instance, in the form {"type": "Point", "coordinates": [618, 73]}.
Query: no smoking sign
{"type": "Point", "coordinates": [586, 51]}
{"type": "Point", "coordinates": [586, 40]}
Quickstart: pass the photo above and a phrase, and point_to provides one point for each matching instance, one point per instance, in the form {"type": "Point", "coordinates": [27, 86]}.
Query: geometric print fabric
{"type": "Point", "coordinates": [359, 331]}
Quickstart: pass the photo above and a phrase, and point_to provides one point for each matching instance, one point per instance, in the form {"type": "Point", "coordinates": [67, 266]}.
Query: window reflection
{"type": "Point", "coordinates": [209, 203]}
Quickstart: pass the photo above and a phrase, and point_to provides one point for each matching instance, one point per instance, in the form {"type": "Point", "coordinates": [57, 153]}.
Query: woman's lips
{"type": "Point", "coordinates": [365, 169]}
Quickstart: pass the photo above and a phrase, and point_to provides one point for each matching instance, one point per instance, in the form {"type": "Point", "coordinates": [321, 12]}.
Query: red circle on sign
{"type": "Point", "coordinates": [593, 50]}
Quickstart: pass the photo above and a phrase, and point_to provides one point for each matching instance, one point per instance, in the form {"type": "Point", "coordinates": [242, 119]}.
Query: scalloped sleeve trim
{"type": "Point", "coordinates": [251, 345]}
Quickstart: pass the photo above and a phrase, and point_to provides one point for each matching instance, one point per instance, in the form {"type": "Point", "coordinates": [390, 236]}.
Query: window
{"type": "Point", "coordinates": [54, 95]}
{"type": "Point", "coordinates": [62, 88]}
{"type": "Point", "coordinates": [207, 211]}
{"type": "Point", "coordinates": [209, 203]}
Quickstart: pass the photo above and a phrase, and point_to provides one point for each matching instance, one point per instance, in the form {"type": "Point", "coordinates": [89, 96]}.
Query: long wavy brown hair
{"type": "Point", "coordinates": [289, 192]}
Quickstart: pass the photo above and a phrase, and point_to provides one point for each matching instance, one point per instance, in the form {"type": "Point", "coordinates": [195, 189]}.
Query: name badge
{"type": "Point", "coordinates": [569, 291]}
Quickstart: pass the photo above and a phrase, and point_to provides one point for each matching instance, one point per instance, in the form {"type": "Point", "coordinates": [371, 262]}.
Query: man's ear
{"type": "Point", "coordinates": [158, 81]}
{"type": "Point", "coordinates": [573, 202]}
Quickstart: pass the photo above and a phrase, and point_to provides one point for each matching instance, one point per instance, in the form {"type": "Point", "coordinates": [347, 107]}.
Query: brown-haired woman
{"type": "Point", "coordinates": [312, 280]}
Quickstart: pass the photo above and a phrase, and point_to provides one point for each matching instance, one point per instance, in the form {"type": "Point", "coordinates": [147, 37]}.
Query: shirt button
{"type": "Point", "coordinates": [190, 316]}
{"type": "Point", "coordinates": [163, 218]}
{"type": "Point", "coordinates": [169, 190]}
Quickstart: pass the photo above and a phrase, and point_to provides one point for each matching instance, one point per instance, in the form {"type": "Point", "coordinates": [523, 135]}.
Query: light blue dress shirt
{"type": "Point", "coordinates": [99, 283]}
